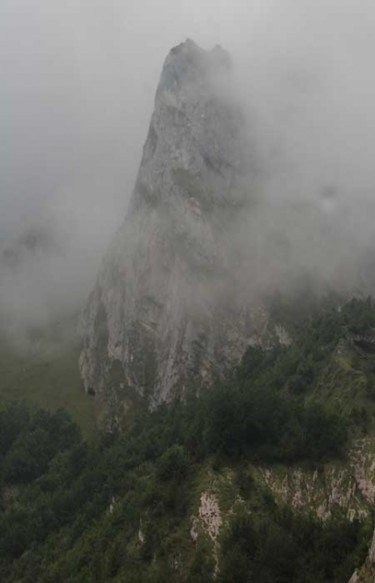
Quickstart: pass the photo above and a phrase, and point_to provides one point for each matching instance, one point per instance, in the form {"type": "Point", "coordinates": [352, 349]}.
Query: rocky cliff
{"type": "Point", "coordinates": [164, 313]}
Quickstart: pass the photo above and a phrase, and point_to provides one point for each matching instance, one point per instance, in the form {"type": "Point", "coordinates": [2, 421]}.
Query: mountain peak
{"type": "Point", "coordinates": [187, 63]}
{"type": "Point", "coordinates": [159, 319]}
{"type": "Point", "coordinates": [190, 49]}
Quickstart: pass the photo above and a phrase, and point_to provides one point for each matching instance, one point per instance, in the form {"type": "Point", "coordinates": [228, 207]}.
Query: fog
{"type": "Point", "coordinates": [77, 86]}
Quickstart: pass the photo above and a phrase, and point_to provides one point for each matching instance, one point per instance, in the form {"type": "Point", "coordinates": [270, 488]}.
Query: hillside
{"type": "Point", "coordinates": [43, 371]}
{"type": "Point", "coordinates": [268, 476]}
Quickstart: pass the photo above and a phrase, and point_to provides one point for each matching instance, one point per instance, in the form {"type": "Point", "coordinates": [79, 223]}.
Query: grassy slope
{"type": "Point", "coordinates": [48, 378]}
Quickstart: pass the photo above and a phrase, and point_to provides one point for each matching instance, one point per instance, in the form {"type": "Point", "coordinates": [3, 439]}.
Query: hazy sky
{"type": "Point", "coordinates": [78, 79]}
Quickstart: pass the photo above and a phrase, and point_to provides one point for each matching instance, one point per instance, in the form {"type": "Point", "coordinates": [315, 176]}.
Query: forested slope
{"type": "Point", "coordinates": [205, 489]}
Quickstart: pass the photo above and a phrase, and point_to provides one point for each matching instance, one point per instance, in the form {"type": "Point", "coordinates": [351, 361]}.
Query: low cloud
{"type": "Point", "coordinates": [78, 83]}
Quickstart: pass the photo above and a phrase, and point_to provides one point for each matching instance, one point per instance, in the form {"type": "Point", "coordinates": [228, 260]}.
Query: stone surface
{"type": "Point", "coordinates": [348, 485]}
{"type": "Point", "coordinates": [209, 521]}
{"type": "Point", "coordinates": [165, 312]}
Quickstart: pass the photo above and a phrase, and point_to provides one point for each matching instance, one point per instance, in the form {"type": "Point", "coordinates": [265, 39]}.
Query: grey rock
{"type": "Point", "coordinates": [165, 315]}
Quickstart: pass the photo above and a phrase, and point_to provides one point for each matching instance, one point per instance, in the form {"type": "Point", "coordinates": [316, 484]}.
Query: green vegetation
{"type": "Point", "coordinates": [280, 547]}
{"type": "Point", "coordinates": [47, 377]}
{"type": "Point", "coordinates": [121, 508]}
{"type": "Point", "coordinates": [332, 361]}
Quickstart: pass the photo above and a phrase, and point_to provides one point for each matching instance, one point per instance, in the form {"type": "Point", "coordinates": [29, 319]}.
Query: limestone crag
{"type": "Point", "coordinates": [164, 313]}
{"type": "Point", "coordinates": [348, 486]}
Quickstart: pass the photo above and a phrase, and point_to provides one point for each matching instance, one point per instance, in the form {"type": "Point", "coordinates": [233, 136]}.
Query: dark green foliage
{"type": "Point", "coordinates": [173, 463]}
{"type": "Point", "coordinates": [299, 365]}
{"type": "Point", "coordinates": [270, 425]}
{"type": "Point", "coordinates": [121, 509]}
{"type": "Point", "coordinates": [41, 437]}
{"type": "Point", "coordinates": [281, 547]}
{"type": "Point", "coordinates": [60, 523]}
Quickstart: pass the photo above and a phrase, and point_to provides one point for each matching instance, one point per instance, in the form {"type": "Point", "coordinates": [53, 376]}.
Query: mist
{"type": "Point", "coordinates": [78, 82]}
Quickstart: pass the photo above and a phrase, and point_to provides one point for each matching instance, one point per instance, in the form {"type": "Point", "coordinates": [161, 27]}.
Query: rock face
{"type": "Point", "coordinates": [347, 486]}
{"type": "Point", "coordinates": [164, 314]}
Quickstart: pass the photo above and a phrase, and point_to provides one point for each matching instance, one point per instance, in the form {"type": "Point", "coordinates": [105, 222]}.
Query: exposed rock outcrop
{"type": "Point", "coordinates": [209, 521]}
{"type": "Point", "coordinates": [164, 314]}
{"type": "Point", "coordinates": [348, 486]}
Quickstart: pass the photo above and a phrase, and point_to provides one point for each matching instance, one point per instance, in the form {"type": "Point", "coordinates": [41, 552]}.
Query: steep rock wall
{"type": "Point", "coordinates": [164, 314]}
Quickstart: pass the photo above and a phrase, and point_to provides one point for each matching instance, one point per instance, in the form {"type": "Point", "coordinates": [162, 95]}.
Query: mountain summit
{"type": "Point", "coordinates": [163, 314]}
